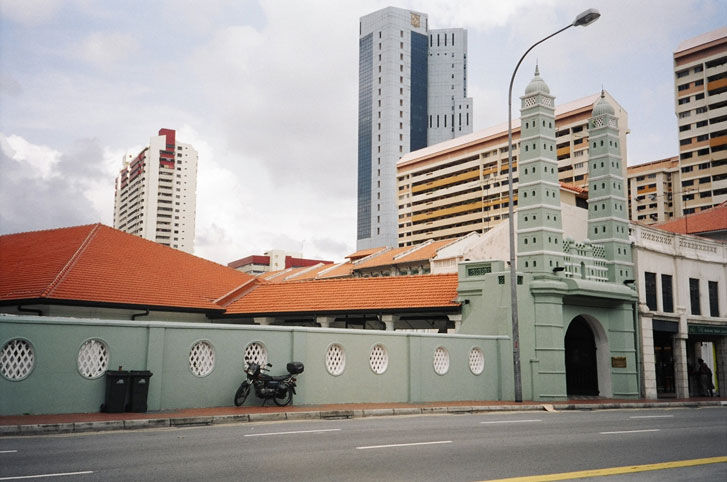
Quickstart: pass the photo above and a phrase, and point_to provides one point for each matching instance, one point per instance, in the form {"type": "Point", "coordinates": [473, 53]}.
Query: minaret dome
{"type": "Point", "coordinates": [603, 107]}
{"type": "Point", "coordinates": [537, 84]}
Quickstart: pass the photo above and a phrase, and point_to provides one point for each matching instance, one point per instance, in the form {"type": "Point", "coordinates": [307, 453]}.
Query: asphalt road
{"type": "Point", "coordinates": [471, 447]}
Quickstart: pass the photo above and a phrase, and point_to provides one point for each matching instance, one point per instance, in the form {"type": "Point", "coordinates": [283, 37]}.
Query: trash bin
{"type": "Point", "coordinates": [139, 389]}
{"type": "Point", "coordinates": [117, 382]}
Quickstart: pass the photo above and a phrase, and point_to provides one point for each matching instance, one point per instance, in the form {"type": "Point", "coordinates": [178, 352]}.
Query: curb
{"type": "Point", "coordinates": [137, 424]}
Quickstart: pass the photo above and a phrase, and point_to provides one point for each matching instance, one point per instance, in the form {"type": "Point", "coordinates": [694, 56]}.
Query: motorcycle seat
{"type": "Point", "coordinates": [274, 378]}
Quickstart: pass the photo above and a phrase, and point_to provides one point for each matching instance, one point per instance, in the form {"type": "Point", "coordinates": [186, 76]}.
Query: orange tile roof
{"type": "Point", "coordinates": [364, 252]}
{"type": "Point", "coordinates": [341, 270]}
{"type": "Point", "coordinates": [384, 259]}
{"type": "Point", "coordinates": [311, 273]}
{"type": "Point", "coordinates": [426, 292]}
{"type": "Point", "coordinates": [99, 264]}
{"type": "Point", "coordinates": [425, 253]}
{"type": "Point", "coordinates": [573, 187]}
{"type": "Point", "coordinates": [714, 219]}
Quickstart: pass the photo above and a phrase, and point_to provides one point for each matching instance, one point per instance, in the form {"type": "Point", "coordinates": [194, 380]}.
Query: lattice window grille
{"type": "Point", "coordinates": [441, 360]}
{"type": "Point", "coordinates": [256, 353]}
{"type": "Point", "coordinates": [17, 359]}
{"type": "Point", "coordinates": [598, 122]}
{"type": "Point", "coordinates": [335, 359]}
{"type": "Point", "coordinates": [202, 358]}
{"type": "Point", "coordinates": [477, 361]}
{"type": "Point", "coordinates": [612, 123]}
{"type": "Point", "coordinates": [93, 359]}
{"type": "Point", "coordinates": [529, 102]}
{"type": "Point", "coordinates": [547, 101]}
{"type": "Point", "coordinates": [379, 359]}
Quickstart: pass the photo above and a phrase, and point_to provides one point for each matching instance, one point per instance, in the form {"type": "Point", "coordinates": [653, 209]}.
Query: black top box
{"type": "Point", "coordinates": [295, 367]}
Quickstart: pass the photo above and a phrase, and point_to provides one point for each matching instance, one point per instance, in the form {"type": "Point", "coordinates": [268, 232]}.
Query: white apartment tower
{"type": "Point", "coordinates": [700, 91]}
{"type": "Point", "coordinates": [156, 192]}
{"type": "Point", "coordinates": [412, 94]}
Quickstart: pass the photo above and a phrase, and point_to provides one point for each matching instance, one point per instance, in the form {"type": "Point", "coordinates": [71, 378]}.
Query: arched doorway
{"type": "Point", "coordinates": [581, 366]}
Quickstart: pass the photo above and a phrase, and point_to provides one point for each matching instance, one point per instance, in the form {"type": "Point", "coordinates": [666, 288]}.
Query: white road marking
{"type": "Point", "coordinates": [8, 451]}
{"type": "Point", "coordinates": [513, 421]}
{"type": "Point", "coordinates": [289, 433]}
{"type": "Point", "coordinates": [652, 416]}
{"type": "Point", "coordinates": [631, 431]}
{"type": "Point", "coordinates": [403, 445]}
{"type": "Point", "coordinates": [40, 476]}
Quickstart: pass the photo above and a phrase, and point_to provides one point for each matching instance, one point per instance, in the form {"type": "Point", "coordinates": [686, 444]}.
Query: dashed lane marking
{"type": "Point", "coordinates": [290, 433]}
{"type": "Point", "coordinates": [404, 445]}
{"type": "Point", "coordinates": [631, 431]}
{"type": "Point", "coordinates": [511, 421]}
{"type": "Point", "coordinates": [43, 476]}
{"type": "Point", "coordinates": [652, 416]}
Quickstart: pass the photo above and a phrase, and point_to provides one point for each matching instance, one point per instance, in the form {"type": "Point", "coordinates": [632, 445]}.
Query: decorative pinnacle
{"type": "Point", "coordinates": [537, 72]}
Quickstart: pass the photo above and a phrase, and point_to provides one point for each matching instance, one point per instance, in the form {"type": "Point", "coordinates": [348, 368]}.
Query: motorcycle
{"type": "Point", "coordinates": [280, 388]}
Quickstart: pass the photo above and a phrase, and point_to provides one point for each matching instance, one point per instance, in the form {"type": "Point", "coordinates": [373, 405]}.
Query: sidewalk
{"type": "Point", "coordinates": [97, 422]}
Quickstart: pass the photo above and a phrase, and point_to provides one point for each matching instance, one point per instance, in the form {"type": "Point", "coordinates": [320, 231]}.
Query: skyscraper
{"type": "Point", "coordinates": [700, 90]}
{"type": "Point", "coordinates": [156, 192]}
{"type": "Point", "coordinates": [412, 93]}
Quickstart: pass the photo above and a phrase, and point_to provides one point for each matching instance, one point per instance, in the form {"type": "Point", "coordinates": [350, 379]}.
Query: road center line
{"type": "Point", "coordinates": [290, 433]}
{"type": "Point", "coordinates": [513, 421]}
{"type": "Point", "coordinates": [404, 445]}
{"type": "Point", "coordinates": [630, 469]}
{"type": "Point", "coordinates": [631, 431]}
{"type": "Point", "coordinates": [652, 416]}
{"type": "Point", "coordinates": [41, 476]}
{"type": "Point", "coordinates": [8, 451]}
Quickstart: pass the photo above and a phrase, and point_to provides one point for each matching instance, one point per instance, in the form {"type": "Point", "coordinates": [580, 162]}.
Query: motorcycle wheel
{"type": "Point", "coordinates": [242, 393]}
{"type": "Point", "coordinates": [285, 399]}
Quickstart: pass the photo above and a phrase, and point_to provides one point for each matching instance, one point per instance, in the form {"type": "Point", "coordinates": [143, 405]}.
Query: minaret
{"type": "Point", "coordinates": [607, 208]}
{"type": "Point", "coordinates": [539, 226]}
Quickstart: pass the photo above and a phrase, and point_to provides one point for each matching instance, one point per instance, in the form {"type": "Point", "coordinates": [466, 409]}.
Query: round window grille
{"type": "Point", "coordinates": [477, 361]}
{"type": "Point", "coordinates": [441, 360]}
{"type": "Point", "coordinates": [93, 359]}
{"type": "Point", "coordinates": [256, 353]}
{"type": "Point", "coordinates": [202, 358]}
{"type": "Point", "coordinates": [335, 359]}
{"type": "Point", "coordinates": [378, 359]}
{"type": "Point", "coordinates": [17, 359]}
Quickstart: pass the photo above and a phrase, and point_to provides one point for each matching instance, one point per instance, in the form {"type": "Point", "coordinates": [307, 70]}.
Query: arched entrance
{"type": "Point", "coordinates": [581, 365]}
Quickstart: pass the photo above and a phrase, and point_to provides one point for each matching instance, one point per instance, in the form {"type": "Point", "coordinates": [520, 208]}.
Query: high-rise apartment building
{"type": "Point", "coordinates": [700, 90]}
{"type": "Point", "coordinates": [412, 93]}
{"type": "Point", "coordinates": [459, 186]}
{"type": "Point", "coordinates": [156, 192]}
{"type": "Point", "coordinates": [651, 187]}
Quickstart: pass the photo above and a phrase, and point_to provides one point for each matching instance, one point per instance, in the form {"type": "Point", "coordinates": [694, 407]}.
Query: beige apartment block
{"type": "Point", "coordinates": [459, 186]}
{"type": "Point", "coordinates": [700, 90]}
{"type": "Point", "coordinates": [651, 190]}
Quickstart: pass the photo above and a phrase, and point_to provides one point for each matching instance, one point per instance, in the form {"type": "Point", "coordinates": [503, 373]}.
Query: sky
{"type": "Point", "coordinates": [267, 92]}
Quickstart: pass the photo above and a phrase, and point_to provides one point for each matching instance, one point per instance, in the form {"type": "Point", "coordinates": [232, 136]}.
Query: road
{"type": "Point", "coordinates": [470, 447]}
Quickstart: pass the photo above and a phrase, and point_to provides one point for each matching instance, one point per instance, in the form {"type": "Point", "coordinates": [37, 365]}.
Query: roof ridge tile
{"type": "Point", "coordinates": [71, 261]}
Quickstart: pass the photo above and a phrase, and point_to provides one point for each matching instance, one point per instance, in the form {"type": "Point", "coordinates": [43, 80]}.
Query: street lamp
{"type": "Point", "coordinates": [582, 20]}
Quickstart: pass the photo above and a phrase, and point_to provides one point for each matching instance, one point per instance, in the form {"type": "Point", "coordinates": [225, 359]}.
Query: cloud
{"type": "Point", "coordinates": [30, 13]}
{"type": "Point", "coordinates": [107, 49]}
{"type": "Point", "coordinates": [43, 188]}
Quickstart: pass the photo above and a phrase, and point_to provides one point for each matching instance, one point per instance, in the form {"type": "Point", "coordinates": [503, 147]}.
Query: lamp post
{"type": "Point", "coordinates": [585, 18]}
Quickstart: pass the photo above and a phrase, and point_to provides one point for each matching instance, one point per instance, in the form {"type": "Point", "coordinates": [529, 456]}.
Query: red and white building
{"type": "Point", "coordinates": [156, 192]}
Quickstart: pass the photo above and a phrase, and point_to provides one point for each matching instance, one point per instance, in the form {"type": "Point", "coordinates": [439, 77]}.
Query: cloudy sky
{"type": "Point", "coordinates": [267, 93]}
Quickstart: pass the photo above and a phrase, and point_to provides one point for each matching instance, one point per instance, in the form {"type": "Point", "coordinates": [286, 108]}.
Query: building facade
{"type": "Point", "coordinates": [651, 191]}
{"type": "Point", "coordinates": [156, 192]}
{"type": "Point", "coordinates": [682, 310]}
{"type": "Point", "coordinates": [412, 93]}
{"type": "Point", "coordinates": [459, 186]}
{"type": "Point", "coordinates": [700, 91]}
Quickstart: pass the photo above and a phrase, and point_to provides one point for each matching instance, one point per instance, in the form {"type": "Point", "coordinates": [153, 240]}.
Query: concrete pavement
{"type": "Point", "coordinates": [12, 425]}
